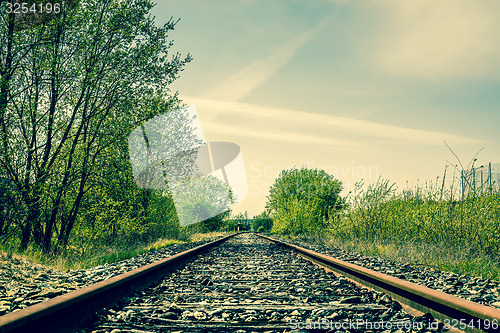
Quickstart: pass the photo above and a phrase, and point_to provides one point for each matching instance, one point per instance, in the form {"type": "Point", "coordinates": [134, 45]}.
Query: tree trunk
{"type": "Point", "coordinates": [33, 215]}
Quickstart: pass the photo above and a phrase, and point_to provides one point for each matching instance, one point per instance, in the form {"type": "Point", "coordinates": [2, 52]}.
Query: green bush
{"type": "Point", "coordinates": [229, 225]}
{"type": "Point", "coordinates": [297, 217]}
{"type": "Point", "coordinates": [262, 222]}
{"type": "Point", "coordinates": [381, 213]}
{"type": "Point", "coordinates": [303, 200]}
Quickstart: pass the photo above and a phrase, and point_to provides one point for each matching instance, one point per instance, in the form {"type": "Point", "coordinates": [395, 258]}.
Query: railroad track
{"type": "Point", "coordinates": [248, 283]}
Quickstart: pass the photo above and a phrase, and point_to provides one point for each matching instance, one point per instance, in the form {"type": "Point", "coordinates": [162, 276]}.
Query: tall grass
{"type": "Point", "coordinates": [454, 226]}
{"type": "Point", "coordinates": [98, 256]}
{"type": "Point", "coordinates": [110, 253]}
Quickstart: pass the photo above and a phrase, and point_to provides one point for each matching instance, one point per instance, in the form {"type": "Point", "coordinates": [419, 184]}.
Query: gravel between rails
{"type": "Point", "coordinates": [475, 289]}
{"type": "Point", "coordinates": [248, 284]}
{"type": "Point", "coordinates": [23, 284]}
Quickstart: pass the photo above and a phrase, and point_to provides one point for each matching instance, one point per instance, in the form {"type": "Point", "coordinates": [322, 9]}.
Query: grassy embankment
{"type": "Point", "coordinates": [429, 225]}
{"type": "Point", "coordinates": [104, 254]}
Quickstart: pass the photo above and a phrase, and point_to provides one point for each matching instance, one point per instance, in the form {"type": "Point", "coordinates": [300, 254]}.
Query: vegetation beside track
{"type": "Point", "coordinates": [92, 76]}
{"type": "Point", "coordinates": [109, 254]}
{"type": "Point", "coordinates": [447, 228]}
{"type": "Point", "coordinates": [428, 226]}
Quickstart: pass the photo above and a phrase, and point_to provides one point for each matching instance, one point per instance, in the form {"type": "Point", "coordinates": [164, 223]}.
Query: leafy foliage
{"type": "Point", "coordinates": [381, 213]}
{"type": "Point", "coordinates": [203, 198]}
{"type": "Point", "coordinates": [302, 200]}
{"type": "Point", "coordinates": [262, 222]}
{"type": "Point", "coordinates": [71, 90]}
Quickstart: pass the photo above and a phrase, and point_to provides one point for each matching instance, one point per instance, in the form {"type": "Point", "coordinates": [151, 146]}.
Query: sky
{"type": "Point", "coordinates": [362, 89]}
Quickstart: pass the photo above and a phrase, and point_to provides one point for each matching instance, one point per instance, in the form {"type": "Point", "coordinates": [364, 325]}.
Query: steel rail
{"type": "Point", "coordinates": [459, 313]}
{"type": "Point", "coordinates": [71, 311]}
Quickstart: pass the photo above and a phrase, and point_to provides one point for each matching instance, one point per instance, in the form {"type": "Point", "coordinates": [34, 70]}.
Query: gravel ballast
{"type": "Point", "coordinates": [248, 284]}
{"type": "Point", "coordinates": [475, 289]}
{"type": "Point", "coordinates": [23, 284]}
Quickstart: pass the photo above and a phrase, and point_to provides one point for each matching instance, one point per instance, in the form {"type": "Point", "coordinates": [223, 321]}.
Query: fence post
{"type": "Point", "coordinates": [462, 182]}
{"type": "Point", "coordinates": [490, 176]}
{"type": "Point", "coordinates": [482, 184]}
{"type": "Point", "coordinates": [474, 180]}
{"type": "Point", "coordinates": [442, 185]}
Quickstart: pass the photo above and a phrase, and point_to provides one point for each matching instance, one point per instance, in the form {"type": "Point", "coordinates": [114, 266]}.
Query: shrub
{"type": "Point", "coordinates": [381, 213]}
{"type": "Point", "coordinates": [303, 200]}
{"type": "Point", "coordinates": [262, 222]}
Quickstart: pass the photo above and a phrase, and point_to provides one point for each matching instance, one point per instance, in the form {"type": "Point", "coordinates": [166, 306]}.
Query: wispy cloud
{"type": "Point", "coordinates": [275, 124]}
{"type": "Point", "coordinates": [253, 75]}
{"type": "Point", "coordinates": [436, 39]}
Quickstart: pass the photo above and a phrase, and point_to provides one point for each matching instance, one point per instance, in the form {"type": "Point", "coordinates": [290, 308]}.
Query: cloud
{"type": "Point", "coordinates": [283, 136]}
{"type": "Point", "coordinates": [253, 75]}
{"type": "Point", "coordinates": [434, 39]}
{"type": "Point", "coordinates": [260, 122]}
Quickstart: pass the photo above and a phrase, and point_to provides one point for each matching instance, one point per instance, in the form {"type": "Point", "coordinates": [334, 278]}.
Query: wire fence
{"type": "Point", "coordinates": [480, 180]}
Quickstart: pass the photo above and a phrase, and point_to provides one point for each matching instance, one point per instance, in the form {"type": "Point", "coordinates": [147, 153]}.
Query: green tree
{"type": "Point", "coordinates": [214, 223]}
{"type": "Point", "coordinates": [302, 200]}
{"type": "Point", "coordinates": [116, 210]}
{"type": "Point", "coordinates": [70, 88]}
{"type": "Point", "coordinates": [202, 199]}
{"type": "Point", "coordinates": [262, 222]}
